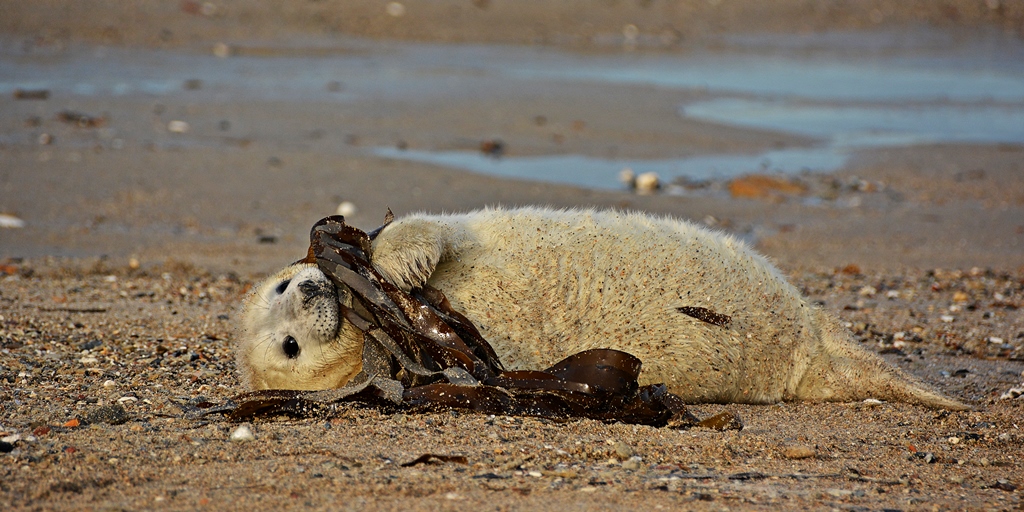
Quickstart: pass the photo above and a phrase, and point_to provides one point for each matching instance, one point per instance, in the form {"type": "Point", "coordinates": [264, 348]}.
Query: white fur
{"type": "Point", "coordinates": [543, 284]}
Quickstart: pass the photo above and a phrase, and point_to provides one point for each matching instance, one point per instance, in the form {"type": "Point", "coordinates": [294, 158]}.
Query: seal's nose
{"type": "Point", "coordinates": [309, 288]}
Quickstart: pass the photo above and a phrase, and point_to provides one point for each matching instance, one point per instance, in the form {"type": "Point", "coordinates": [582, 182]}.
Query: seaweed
{"type": "Point", "coordinates": [705, 315]}
{"type": "Point", "coordinates": [421, 354]}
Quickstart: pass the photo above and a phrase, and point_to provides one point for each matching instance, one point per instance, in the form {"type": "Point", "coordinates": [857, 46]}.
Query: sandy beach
{"type": "Point", "coordinates": [139, 237]}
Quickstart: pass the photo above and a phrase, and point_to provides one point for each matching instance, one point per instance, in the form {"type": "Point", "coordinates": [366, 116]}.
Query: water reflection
{"type": "Point", "coordinates": [603, 173]}
{"type": "Point", "coordinates": [866, 126]}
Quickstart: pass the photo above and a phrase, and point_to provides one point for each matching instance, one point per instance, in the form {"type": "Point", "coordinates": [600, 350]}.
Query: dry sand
{"type": "Point", "coordinates": [118, 299]}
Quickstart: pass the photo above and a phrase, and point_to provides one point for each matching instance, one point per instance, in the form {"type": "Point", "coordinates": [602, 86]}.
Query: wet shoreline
{"type": "Point", "coordinates": [840, 104]}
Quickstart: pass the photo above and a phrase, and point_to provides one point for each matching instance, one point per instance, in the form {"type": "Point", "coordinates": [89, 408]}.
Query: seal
{"type": "Point", "coordinates": [707, 315]}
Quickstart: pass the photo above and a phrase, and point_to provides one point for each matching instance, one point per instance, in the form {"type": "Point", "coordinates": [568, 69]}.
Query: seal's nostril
{"type": "Point", "coordinates": [309, 288]}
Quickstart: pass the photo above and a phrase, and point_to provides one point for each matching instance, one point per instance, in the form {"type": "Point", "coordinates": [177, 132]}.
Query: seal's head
{"type": "Point", "coordinates": [292, 334]}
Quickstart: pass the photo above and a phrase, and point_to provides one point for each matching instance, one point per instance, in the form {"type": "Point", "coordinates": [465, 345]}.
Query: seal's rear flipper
{"type": "Point", "coordinates": [842, 371]}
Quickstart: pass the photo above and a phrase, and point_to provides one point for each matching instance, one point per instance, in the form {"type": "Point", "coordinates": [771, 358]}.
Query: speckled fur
{"type": "Point", "coordinates": [543, 284]}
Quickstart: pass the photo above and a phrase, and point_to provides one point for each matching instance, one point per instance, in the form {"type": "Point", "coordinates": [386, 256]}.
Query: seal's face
{"type": "Point", "coordinates": [293, 337]}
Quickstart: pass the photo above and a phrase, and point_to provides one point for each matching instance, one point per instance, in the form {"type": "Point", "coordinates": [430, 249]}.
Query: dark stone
{"type": "Point", "coordinates": [110, 414]}
{"type": "Point", "coordinates": [89, 345]}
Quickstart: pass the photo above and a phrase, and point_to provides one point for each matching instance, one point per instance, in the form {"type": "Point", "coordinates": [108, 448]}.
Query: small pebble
{"type": "Point", "coordinates": [395, 9]}
{"type": "Point", "coordinates": [347, 208]}
{"type": "Point", "coordinates": [630, 32]}
{"type": "Point", "coordinates": [1004, 485]}
{"type": "Point", "coordinates": [724, 420]}
{"type": "Point", "coordinates": [947, 318]}
{"type": "Point", "coordinates": [799, 451]}
{"type": "Point", "coordinates": [222, 50]}
{"type": "Point", "coordinates": [177, 126]}
{"type": "Point", "coordinates": [623, 450]}
{"type": "Point", "coordinates": [109, 414]}
{"type": "Point", "coordinates": [627, 177]}
{"type": "Point", "coordinates": [10, 221]}
{"type": "Point", "coordinates": [648, 183]}
{"type": "Point", "coordinates": [109, 383]}
{"type": "Point", "coordinates": [632, 463]}
{"type": "Point", "coordinates": [242, 434]}
{"type": "Point", "coordinates": [1012, 393]}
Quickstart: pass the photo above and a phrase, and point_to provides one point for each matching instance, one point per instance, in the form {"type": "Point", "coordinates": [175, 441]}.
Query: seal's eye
{"type": "Point", "coordinates": [282, 287]}
{"type": "Point", "coordinates": [291, 347]}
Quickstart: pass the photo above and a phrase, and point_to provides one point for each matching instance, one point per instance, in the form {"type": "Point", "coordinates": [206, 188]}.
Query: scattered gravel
{"type": "Point", "coordinates": [164, 340]}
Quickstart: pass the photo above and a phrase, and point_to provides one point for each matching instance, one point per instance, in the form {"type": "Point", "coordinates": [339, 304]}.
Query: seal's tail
{"type": "Point", "coordinates": [842, 371]}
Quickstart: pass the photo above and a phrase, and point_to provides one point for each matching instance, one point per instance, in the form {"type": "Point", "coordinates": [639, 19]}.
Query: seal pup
{"type": "Point", "coordinates": [708, 316]}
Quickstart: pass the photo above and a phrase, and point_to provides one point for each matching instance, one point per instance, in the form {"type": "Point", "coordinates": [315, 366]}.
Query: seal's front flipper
{"type": "Point", "coordinates": [407, 251]}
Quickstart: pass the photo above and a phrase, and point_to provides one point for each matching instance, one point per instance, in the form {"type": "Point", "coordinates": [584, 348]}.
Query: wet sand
{"type": "Point", "coordinates": [120, 293]}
